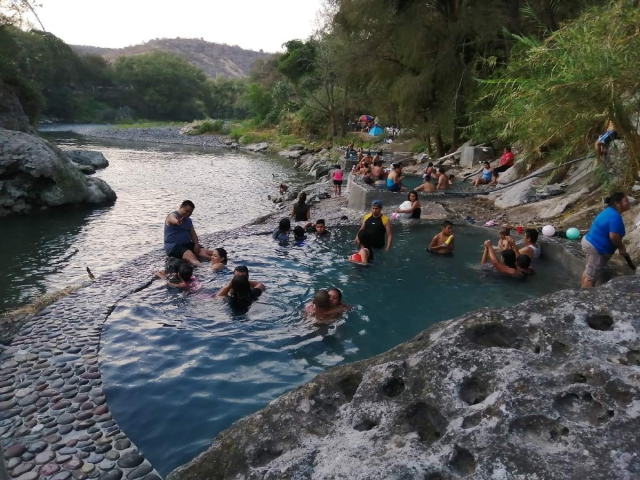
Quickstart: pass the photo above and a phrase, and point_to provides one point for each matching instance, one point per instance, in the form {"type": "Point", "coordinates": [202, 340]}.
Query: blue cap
{"type": "Point", "coordinates": [376, 203]}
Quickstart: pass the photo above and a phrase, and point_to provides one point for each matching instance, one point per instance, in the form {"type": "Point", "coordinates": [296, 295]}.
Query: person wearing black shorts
{"type": "Point", "coordinates": [180, 238]}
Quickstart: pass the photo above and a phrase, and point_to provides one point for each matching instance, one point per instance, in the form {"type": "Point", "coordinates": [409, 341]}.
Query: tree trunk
{"type": "Point", "coordinates": [429, 146]}
{"type": "Point", "coordinates": [440, 145]}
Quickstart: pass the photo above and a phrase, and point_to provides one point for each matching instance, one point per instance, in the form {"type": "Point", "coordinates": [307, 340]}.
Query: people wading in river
{"type": "Point", "coordinates": [180, 238]}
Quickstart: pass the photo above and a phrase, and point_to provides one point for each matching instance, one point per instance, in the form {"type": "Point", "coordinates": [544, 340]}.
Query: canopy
{"type": "Point", "coordinates": [366, 118]}
{"type": "Point", "coordinates": [376, 130]}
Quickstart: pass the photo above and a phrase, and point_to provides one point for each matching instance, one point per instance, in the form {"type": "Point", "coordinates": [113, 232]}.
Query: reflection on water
{"type": "Point", "coordinates": [50, 250]}
{"type": "Point", "coordinates": [180, 367]}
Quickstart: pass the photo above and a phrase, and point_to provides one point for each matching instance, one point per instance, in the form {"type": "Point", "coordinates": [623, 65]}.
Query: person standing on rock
{"type": "Point", "coordinates": [376, 225]}
{"type": "Point", "coordinates": [180, 238]}
{"type": "Point", "coordinates": [604, 238]}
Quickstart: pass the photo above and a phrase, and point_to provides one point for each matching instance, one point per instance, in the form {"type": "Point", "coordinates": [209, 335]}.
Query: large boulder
{"type": "Point", "coordinates": [546, 209]}
{"type": "Point", "coordinates": [545, 390]}
{"type": "Point", "coordinates": [34, 173]}
{"type": "Point", "coordinates": [517, 194]}
{"type": "Point", "coordinates": [257, 147]}
{"type": "Point", "coordinates": [12, 116]}
{"type": "Point", "coordinates": [87, 157]}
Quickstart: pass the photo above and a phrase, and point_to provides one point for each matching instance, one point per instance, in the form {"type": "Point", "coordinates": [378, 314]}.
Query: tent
{"type": "Point", "coordinates": [376, 130]}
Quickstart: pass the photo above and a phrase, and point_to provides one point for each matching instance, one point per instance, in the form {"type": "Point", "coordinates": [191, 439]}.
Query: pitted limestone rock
{"type": "Point", "coordinates": [547, 389]}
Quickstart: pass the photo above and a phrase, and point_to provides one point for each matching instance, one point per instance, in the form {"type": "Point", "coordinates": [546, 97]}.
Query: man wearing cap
{"type": "Point", "coordinates": [377, 224]}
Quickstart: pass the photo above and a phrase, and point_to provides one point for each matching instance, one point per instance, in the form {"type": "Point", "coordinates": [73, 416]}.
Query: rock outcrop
{"type": "Point", "coordinates": [548, 389]}
{"type": "Point", "coordinates": [35, 174]}
{"type": "Point", "coordinates": [87, 157]}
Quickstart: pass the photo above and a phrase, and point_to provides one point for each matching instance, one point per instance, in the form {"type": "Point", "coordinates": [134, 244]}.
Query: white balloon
{"type": "Point", "coordinates": [548, 231]}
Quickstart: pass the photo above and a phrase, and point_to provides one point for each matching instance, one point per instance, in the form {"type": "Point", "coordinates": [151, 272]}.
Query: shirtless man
{"type": "Point", "coordinates": [180, 238]}
{"type": "Point", "coordinates": [443, 181]}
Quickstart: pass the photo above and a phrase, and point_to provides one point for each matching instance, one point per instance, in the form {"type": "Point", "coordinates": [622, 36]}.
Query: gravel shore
{"type": "Point", "coordinates": [169, 135]}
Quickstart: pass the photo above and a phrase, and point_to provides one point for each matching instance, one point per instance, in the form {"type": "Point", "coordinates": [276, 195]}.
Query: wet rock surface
{"type": "Point", "coordinates": [544, 390]}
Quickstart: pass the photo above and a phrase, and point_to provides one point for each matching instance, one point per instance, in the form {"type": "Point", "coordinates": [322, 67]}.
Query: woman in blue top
{"type": "Point", "coordinates": [604, 238]}
{"type": "Point", "coordinates": [394, 180]}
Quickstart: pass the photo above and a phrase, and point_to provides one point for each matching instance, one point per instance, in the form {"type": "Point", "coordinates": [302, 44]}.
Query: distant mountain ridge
{"type": "Point", "coordinates": [215, 59]}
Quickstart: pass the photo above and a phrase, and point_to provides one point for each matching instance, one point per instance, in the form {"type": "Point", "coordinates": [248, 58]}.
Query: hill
{"type": "Point", "coordinates": [215, 59]}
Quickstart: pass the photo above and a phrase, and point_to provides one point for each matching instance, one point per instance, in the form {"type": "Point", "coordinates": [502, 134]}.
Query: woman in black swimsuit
{"type": "Point", "coordinates": [416, 207]}
{"type": "Point", "coordinates": [300, 210]}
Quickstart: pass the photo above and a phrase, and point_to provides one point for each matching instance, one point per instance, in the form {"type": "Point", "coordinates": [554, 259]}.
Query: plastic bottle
{"type": "Point", "coordinates": [448, 240]}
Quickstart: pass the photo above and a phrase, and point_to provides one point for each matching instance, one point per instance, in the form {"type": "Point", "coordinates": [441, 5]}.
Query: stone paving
{"type": "Point", "coordinates": [55, 423]}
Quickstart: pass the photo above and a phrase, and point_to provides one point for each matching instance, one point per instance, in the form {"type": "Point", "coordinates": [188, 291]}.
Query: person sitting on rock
{"type": "Point", "coordinates": [300, 210]}
{"type": "Point", "coordinates": [485, 175]}
{"type": "Point", "coordinates": [180, 238]}
{"type": "Point", "coordinates": [604, 140]}
{"type": "Point", "coordinates": [506, 162]}
{"type": "Point", "coordinates": [443, 181]}
{"type": "Point", "coordinates": [515, 266]}
{"type": "Point", "coordinates": [283, 189]}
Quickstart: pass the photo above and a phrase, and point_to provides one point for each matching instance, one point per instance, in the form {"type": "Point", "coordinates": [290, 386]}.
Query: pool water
{"type": "Point", "coordinates": [180, 367]}
{"type": "Point", "coordinates": [414, 181]}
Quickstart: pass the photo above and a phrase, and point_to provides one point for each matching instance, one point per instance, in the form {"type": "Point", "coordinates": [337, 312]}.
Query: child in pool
{"type": "Point", "coordinates": [321, 309]}
{"type": "Point", "coordinates": [181, 278]}
{"type": "Point", "coordinates": [515, 266]}
{"type": "Point", "coordinates": [443, 242]}
{"type": "Point", "coordinates": [505, 239]}
{"type": "Point", "coordinates": [218, 259]}
{"type": "Point", "coordinates": [365, 254]}
{"type": "Point", "coordinates": [298, 235]}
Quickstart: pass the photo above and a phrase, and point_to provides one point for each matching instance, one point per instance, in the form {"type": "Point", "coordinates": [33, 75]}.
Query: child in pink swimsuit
{"type": "Point", "coordinates": [337, 181]}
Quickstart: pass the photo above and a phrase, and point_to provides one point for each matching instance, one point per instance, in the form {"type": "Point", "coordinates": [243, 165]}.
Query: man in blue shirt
{"type": "Point", "coordinates": [180, 238]}
{"type": "Point", "coordinates": [604, 238]}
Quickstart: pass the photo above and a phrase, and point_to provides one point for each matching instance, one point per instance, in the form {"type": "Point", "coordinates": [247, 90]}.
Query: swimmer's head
{"type": "Point", "coordinates": [412, 196]}
{"type": "Point", "coordinates": [284, 225]}
{"type": "Point", "coordinates": [335, 296]}
{"type": "Point", "coordinates": [441, 170]}
{"type": "Point", "coordinates": [447, 227]}
{"type": "Point", "coordinates": [486, 165]}
{"type": "Point", "coordinates": [531, 235]}
{"type": "Point", "coordinates": [186, 208]}
{"type": "Point", "coordinates": [298, 233]}
{"type": "Point", "coordinates": [364, 239]}
{"type": "Point", "coordinates": [320, 226]}
{"type": "Point", "coordinates": [509, 258]}
{"type": "Point", "coordinates": [219, 256]}
{"type": "Point", "coordinates": [523, 261]}
{"type": "Point", "coordinates": [302, 198]}
{"type": "Point", "coordinates": [321, 299]}
{"type": "Point", "coordinates": [241, 270]}
{"type": "Point", "coordinates": [185, 272]}
{"type": "Point", "coordinates": [504, 232]}
{"type": "Point", "coordinates": [241, 288]}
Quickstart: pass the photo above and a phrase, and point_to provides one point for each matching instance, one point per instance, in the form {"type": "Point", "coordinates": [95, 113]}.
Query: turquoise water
{"type": "Point", "coordinates": [413, 181]}
{"type": "Point", "coordinates": [180, 367]}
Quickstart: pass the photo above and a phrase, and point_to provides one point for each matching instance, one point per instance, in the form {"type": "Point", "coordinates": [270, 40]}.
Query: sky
{"type": "Point", "coordinates": [251, 24]}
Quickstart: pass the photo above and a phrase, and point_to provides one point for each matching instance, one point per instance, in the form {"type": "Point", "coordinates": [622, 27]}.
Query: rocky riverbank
{"type": "Point", "coordinates": [168, 135]}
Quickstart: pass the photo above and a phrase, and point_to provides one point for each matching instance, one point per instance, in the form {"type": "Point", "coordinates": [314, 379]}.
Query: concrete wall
{"type": "Point", "coordinates": [361, 196]}
{"type": "Point", "coordinates": [472, 156]}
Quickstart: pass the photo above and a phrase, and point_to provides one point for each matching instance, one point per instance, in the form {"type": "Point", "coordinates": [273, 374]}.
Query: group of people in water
{"type": "Point", "coordinates": [181, 242]}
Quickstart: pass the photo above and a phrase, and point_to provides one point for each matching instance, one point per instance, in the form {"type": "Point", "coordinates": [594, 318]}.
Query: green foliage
{"type": "Point", "coordinates": [209, 126]}
{"type": "Point", "coordinates": [419, 147]}
{"type": "Point", "coordinates": [298, 60]}
{"type": "Point", "coordinates": [260, 100]}
{"type": "Point", "coordinates": [162, 85]}
{"type": "Point", "coordinates": [558, 93]}
{"type": "Point", "coordinates": [142, 123]}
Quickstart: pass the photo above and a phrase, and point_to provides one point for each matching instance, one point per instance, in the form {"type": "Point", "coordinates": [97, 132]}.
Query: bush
{"type": "Point", "coordinates": [253, 137]}
{"type": "Point", "coordinates": [419, 147]}
{"type": "Point", "coordinates": [208, 126]}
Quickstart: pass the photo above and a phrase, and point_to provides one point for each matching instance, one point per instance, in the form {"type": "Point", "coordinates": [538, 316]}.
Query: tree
{"type": "Point", "coordinates": [162, 86]}
{"type": "Point", "coordinates": [559, 92]}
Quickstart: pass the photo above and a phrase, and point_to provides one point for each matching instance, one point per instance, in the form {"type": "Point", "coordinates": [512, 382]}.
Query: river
{"type": "Point", "coordinates": [47, 251]}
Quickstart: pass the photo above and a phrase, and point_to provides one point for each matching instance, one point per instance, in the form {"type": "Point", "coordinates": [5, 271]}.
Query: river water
{"type": "Point", "coordinates": [47, 251]}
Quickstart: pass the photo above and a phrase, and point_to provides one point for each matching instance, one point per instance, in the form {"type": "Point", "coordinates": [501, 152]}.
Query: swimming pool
{"type": "Point", "coordinates": [180, 367]}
